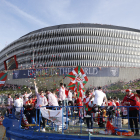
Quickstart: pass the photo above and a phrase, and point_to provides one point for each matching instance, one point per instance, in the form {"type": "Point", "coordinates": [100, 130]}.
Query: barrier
{"type": "Point", "coordinates": [74, 123]}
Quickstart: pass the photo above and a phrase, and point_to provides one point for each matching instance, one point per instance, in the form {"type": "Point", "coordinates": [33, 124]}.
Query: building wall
{"type": "Point", "coordinates": [87, 44]}
{"type": "Point", "coordinates": [76, 44]}
{"type": "Point", "coordinates": [125, 74]}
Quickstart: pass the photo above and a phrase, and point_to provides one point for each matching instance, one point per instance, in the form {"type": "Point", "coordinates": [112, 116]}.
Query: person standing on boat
{"type": "Point", "coordinates": [10, 104]}
{"type": "Point", "coordinates": [130, 100]}
{"type": "Point", "coordinates": [89, 114]}
{"type": "Point", "coordinates": [27, 95]}
{"type": "Point", "coordinates": [29, 108]}
{"type": "Point", "coordinates": [41, 101]}
{"type": "Point", "coordinates": [116, 101]}
{"type": "Point", "coordinates": [49, 97]}
{"type": "Point", "coordinates": [109, 102]}
{"type": "Point", "coordinates": [99, 97]}
{"type": "Point", "coordinates": [52, 100]}
{"type": "Point", "coordinates": [80, 109]}
{"type": "Point", "coordinates": [62, 95]}
{"type": "Point", "coordinates": [70, 102]}
{"type": "Point", "coordinates": [18, 103]}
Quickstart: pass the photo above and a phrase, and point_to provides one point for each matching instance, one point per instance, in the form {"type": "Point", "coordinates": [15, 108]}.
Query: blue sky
{"type": "Point", "coordinates": [19, 17]}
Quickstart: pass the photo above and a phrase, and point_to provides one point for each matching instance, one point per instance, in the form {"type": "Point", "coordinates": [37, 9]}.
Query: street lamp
{"type": "Point", "coordinates": [33, 56]}
{"type": "Point", "coordinates": [26, 62]}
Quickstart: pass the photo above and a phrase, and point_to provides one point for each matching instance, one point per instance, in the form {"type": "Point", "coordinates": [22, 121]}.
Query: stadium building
{"type": "Point", "coordinates": [84, 44]}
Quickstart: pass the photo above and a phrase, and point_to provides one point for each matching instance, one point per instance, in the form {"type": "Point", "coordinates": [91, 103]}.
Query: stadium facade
{"type": "Point", "coordinates": [88, 45]}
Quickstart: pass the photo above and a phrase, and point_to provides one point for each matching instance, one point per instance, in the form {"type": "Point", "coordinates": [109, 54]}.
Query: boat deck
{"type": "Point", "coordinates": [73, 132]}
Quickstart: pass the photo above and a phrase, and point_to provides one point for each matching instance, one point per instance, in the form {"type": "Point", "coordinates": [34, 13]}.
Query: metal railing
{"type": "Point", "coordinates": [73, 117]}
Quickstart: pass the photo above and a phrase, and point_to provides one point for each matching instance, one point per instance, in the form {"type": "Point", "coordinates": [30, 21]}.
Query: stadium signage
{"type": "Point", "coordinates": [63, 71]}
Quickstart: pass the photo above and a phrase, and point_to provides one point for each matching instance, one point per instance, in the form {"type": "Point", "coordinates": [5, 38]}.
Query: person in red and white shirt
{"type": "Point", "coordinates": [99, 96]}
{"type": "Point", "coordinates": [70, 101]}
{"type": "Point", "coordinates": [86, 100]}
{"type": "Point", "coordinates": [109, 102]}
{"type": "Point", "coordinates": [113, 103]}
{"type": "Point", "coordinates": [116, 101]}
{"type": "Point", "coordinates": [54, 93]}
{"type": "Point", "coordinates": [80, 109]}
{"type": "Point", "coordinates": [66, 91]}
{"type": "Point", "coordinates": [41, 101]}
{"type": "Point", "coordinates": [29, 107]}
{"type": "Point", "coordinates": [27, 95]}
{"type": "Point", "coordinates": [62, 95]}
{"type": "Point", "coordinates": [18, 103]}
{"type": "Point", "coordinates": [10, 103]}
{"type": "Point", "coordinates": [88, 115]}
{"type": "Point", "coordinates": [130, 100]}
{"type": "Point", "coordinates": [52, 100]}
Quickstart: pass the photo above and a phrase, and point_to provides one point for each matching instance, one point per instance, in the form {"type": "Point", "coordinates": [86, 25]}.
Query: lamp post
{"type": "Point", "coordinates": [33, 56]}
{"type": "Point", "coordinates": [26, 62]}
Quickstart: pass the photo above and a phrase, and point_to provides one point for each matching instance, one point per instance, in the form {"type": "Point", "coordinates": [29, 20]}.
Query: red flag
{"type": "Point", "coordinates": [3, 77]}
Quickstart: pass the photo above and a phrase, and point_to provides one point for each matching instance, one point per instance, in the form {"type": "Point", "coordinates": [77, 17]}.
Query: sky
{"type": "Point", "coordinates": [19, 17]}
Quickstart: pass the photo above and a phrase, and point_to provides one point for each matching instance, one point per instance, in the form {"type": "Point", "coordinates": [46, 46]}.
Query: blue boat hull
{"type": "Point", "coordinates": [13, 132]}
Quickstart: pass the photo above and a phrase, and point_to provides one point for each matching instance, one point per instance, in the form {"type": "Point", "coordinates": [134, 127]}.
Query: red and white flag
{"type": "Point", "coordinates": [3, 77]}
{"type": "Point", "coordinates": [79, 79]}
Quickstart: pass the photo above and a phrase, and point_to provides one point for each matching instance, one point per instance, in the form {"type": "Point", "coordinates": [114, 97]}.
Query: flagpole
{"type": "Point", "coordinates": [62, 79]}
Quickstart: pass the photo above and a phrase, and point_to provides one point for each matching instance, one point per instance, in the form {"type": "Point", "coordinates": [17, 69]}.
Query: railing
{"type": "Point", "coordinates": [73, 117]}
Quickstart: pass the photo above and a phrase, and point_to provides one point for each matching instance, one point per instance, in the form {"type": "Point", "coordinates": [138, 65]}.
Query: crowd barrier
{"type": "Point", "coordinates": [71, 118]}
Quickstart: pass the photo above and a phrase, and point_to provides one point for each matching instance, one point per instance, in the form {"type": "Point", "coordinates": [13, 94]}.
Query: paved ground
{"type": "Point", "coordinates": [2, 130]}
{"type": "Point", "coordinates": [76, 131]}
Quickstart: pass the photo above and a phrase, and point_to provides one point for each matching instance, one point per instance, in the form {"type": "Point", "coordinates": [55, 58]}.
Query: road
{"type": "Point", "coordinates": [2, 129]}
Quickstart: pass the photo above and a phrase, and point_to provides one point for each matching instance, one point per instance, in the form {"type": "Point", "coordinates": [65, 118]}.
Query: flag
{"type": "Point", "coordinates": [81, 92]}
{"type": "Point", "coordinates": [79, 79]}
{"type": "Point", "coordinates": [78, 74]}
{"type": "Point", "coordinates": [3, 77]}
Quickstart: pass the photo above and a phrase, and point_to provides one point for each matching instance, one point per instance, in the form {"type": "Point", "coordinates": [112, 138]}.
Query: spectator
{"type": "Point", "coordinates": [89, 114]}
{"type": "Point", "coordinates": [70, 102]}
{"type": "Point", "coordinates": [41, 101]}
{"type": "Point", "coordinates": [80, 109]}
{"type": "Point", "coordinates": [109, 102]}
{"type": "Point", "coordinates": [116, 101]}
{"type": "Point", "coordinates": [10, 104]}
{"type": "Point", "coordinates": [130, 100]}
{"type": "Point", "coordinates": [62, 95]}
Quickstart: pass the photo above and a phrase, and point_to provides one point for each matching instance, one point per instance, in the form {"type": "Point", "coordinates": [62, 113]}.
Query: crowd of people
{"type": "Point", "coordinates": [86, 106]}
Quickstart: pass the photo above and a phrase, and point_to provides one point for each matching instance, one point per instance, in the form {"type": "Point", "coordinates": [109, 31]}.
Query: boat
{"type": "Point", "coordinates": [15, 131]}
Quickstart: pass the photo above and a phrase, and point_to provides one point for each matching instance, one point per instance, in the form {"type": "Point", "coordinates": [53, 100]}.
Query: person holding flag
{"type": "Point", "coordinates": [79, 79]}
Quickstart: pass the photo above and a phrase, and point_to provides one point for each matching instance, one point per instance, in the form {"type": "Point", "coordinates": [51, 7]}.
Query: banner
{"type": "Point", "coordinates": [53, 115]}
{"type": "Point", "coordinates": [63, 71]}
{"type": "Point", "coordinates": [3, 77]}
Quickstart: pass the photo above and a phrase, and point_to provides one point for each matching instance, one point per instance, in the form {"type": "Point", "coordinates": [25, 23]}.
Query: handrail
{"type": "Point", "coordinates": [71, 107]}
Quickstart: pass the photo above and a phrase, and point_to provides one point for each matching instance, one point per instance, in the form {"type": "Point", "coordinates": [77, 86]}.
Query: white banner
{"type": "Point", "coordinates": [53, 115]}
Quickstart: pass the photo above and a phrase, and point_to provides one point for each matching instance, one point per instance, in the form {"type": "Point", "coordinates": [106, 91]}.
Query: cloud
{"type": "Point", "coordinates": [58, 11]}
{"type": "Point", "coordinates": [120, 13]}
{"type": "Point", "coordinates": [26, 15]}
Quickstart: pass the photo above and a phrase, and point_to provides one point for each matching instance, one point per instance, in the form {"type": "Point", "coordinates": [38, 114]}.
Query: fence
{"type": "Point", "coordinates": [71, 119]}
